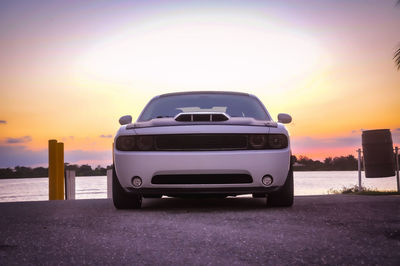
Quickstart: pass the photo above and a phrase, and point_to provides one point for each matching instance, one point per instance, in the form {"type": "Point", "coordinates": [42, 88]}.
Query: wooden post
{"type": "Point", "coordinates": [70, 185]}
{"type": "Point", "coordinates": [109, 183]}
{"type": "Point", "coordinates": [60, 171]}
{"type": "Point", "coordinates": [52, 169]}
{"type": "Point", "coordinates": [56, 170]}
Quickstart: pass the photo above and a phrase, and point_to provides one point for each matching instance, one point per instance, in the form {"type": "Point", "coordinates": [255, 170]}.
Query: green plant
{"type": "Point", "coordinates": [362, 191]}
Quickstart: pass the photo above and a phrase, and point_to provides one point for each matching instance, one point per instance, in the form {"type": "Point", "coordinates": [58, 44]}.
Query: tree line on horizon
{"type": "Point", "coordinates": [301, 163]}
{"type": "Point", "coordinates": [341, 163]}
{"type": "Point", "coordinates": [28, 172]}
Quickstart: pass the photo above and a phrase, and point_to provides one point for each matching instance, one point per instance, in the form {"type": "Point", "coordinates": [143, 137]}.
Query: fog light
{"type": "Point", "coordinates": [136, 181]}
{"type": "Point", "coordinates": [267, 180]}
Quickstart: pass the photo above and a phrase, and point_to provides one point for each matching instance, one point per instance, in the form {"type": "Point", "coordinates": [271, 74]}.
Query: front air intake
{"type": "Point", "coordinates": [202, 179]}
{"type": "Point", "coordinates": [202, 117]}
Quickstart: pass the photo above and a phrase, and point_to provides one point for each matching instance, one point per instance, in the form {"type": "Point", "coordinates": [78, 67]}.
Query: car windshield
{"type": "Point", "coordinates": [235, 105]}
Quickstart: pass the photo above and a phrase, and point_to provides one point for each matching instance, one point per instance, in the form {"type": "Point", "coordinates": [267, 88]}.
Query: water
{"type": "Point", "coordinates": [95, 187]}
{"type": "Point", "coordinates": [35, 189]}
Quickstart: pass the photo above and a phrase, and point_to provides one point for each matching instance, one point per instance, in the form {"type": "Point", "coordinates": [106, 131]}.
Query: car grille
{"type": "Point", "coordinates": [202, 179]}
{"type": "Point", "coordinates": [201, 142]}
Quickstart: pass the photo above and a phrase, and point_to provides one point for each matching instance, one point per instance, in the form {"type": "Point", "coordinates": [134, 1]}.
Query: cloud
{"type": "Point", "coordinates": [350, 142]}
{"type": "Point", "coordinates": [357, 131]}
{"type": "Point", "coordinates": [106, 136]}
{"type": "Point", "coordinates": [3, 122]}
{"type": "Point", "coordinates": [326, 143]}
{"type": "Point", "coordinates": [19, 140]}
{"type": "Point", "coordinates": [81, 155]}
{"type": "Point", "coordinates": [11, 156]}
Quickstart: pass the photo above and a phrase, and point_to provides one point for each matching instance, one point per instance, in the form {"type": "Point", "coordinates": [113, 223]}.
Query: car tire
{"type": "Point", "coordinates": [123, 199]}
{"type": "Point", "coordinates": [284, 196]}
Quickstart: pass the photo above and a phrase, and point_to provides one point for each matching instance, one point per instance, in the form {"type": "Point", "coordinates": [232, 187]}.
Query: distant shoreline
{"type": "Point", "coordinates": [301, 163]}
{"type": "Point", "coordinates": [16, 177]}
{"type": "Point", "coordinates": [94, 176]}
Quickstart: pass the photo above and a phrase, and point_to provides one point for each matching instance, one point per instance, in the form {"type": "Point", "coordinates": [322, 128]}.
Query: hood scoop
{"type": "Point", "coordinates": [202, 117]}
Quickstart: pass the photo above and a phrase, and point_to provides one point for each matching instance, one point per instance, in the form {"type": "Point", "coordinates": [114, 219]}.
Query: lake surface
{"type": "Point", "coordinates": [95, 187]}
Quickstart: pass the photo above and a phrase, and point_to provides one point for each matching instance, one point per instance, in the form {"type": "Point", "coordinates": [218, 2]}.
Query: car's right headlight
{"type": "Point", "coordinates": [135, 143]}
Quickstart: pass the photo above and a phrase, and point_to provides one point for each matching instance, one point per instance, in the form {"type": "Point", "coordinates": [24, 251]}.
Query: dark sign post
{"type": "Point", "coordinates": [378, 153]}
{"type": "Point", "coordinates": [379, 160]}
{"type": "Point", "coordinates": [397, 168]}
{"type": "Point", "coordinates": [359, 169]}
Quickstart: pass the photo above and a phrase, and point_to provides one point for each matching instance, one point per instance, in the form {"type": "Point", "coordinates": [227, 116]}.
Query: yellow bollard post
{"type": "Point", "coordinates": [52, 169]}
{"type": "Point", "coordinates": [60, 171]}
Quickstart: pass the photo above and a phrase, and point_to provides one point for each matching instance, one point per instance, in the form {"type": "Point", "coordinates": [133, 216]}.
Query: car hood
{"type": "Point", "coordinates": [241, 121]}
{"type": "Point", "coordinates": [233, 125]}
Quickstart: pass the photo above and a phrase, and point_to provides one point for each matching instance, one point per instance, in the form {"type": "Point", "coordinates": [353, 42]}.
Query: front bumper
{"type": "Point", "coordinates": [256, 163]}
{"type": "Point", "coordinates": [203, 191]}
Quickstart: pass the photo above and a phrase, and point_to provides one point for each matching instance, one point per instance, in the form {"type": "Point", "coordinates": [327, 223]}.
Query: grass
{"type": "Point", "coordinates": [356, 190]}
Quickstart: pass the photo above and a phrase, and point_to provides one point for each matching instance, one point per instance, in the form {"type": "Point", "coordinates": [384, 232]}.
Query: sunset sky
{"type": "Point", "coordinates": [70, 69]}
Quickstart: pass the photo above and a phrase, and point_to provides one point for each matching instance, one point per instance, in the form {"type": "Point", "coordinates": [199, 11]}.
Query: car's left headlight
{"type": "Point", "coordinates": [277, 141]}
{"type": "Point", "coordinates": [267, 141]}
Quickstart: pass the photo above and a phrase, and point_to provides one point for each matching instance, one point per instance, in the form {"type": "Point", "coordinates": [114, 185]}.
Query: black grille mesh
{"type": "Point", "coordinates": [202, 179]}
{"type": "Point", "coordinates": [201, 142]}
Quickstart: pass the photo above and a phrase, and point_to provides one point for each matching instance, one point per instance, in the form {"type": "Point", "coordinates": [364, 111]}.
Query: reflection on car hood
{"type": "Point", "coordinates": [159, 122]}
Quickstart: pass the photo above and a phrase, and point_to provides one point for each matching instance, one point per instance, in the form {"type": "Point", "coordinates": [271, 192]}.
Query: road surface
{"type": "Point", "coordinates": [329, 229]}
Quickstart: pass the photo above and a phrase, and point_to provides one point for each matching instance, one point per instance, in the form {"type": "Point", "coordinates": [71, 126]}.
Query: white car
{"type": "Point", "coordinates": [205, 144]}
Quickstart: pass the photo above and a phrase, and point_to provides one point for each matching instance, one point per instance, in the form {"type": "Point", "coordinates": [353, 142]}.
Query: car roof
{"type": "Point", "coordinates": [203, 92]}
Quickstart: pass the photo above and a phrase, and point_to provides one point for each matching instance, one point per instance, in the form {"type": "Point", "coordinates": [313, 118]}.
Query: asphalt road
{"type": "Point", "coordinates": [331, 229]}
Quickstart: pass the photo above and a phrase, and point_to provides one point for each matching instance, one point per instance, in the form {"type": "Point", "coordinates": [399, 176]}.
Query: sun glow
{"type": "Point", "coordinates": [213, 51]}
{"type": "Point", "coordinates": [79, 67]}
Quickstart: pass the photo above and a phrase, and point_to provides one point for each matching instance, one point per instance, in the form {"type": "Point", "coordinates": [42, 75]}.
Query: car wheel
{"type": "Point", "coordinates": [284, 196]}
{"type": "Point", "coordinates": [123, 199]}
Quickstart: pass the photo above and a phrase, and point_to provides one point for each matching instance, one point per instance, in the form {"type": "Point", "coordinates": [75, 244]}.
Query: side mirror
{"type": "Point", "coordinates": [126, 119]}
{"type": "Point", "coordinates": [284, 118]}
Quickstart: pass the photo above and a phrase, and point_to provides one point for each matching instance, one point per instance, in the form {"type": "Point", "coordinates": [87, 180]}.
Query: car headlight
{"type": "Point", "coordinates": [135, 143]}
{"type": "Point", "coordinates": [126, 143]}
{"type": "Point", "coordinates": [267, 141]}
{"type": "Point", "coordinates": [277, 141]}
{"type": "Point", "coordinates": [257, 141]}
{"type": "Point", "coordinates": [145, 143]}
